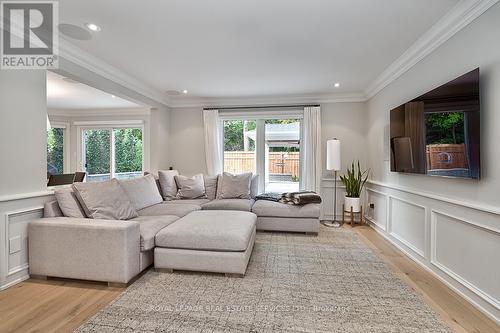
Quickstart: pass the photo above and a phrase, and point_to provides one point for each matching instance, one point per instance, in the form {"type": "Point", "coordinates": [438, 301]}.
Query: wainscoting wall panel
{"type": "Point", "coordinates": [15, 214]}
{"type": "Point", "coordinates": [459, 242]}
{"type": "Point", "coordinates": [407, 223]}
{"type": "Point", "coordinates": [379, 213]}
{"type": "Point", "coordinates": [455, 252]}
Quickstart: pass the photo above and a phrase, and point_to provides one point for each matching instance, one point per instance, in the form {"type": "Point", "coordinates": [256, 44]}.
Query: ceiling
{"type": "Point", "coordinates": [64, 95]}
{"type": "Point", "coordinates": [227, 48]}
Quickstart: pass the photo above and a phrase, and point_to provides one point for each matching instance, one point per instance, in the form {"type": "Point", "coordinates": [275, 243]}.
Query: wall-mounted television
{"type": "Point", "coordinates": [438, 133]}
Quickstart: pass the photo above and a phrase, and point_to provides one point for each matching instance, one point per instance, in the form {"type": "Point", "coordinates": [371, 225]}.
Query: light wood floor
{"type": "Point", "coordinates": [62, 305]}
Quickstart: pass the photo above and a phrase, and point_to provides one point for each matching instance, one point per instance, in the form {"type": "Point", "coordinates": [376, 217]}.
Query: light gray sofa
{"type": "Point", "coordinates": [117, 251]}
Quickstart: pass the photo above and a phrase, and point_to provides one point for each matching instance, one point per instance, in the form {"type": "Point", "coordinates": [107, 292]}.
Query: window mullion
{"type": "Point", "coordinates": [112, 154]}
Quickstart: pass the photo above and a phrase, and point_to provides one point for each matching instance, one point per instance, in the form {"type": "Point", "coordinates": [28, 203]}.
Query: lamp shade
{"type": "Point", "coordinates": [333, 160]}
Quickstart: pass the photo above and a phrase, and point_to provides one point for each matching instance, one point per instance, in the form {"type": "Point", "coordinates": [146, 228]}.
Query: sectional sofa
{"type": "Point", "coordinates": [113, 242]}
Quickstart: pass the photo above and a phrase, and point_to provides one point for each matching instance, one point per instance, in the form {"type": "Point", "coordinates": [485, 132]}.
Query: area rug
{"type": "Point", "coordinates": [294, 283]}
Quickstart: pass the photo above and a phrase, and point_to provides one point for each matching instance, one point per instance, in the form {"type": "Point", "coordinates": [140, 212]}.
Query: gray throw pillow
{"type": "Point", "coordinates": [142, 191]}
{"type": "Point", "coordinates": [234, 186]}
{"type": "Point", "coordinates": [190, 188]}
{"type": "Point", "coordinates": [70, 207]}
{"type": "Point", "coordinates": [211, 186]}
{"type": "Point", "coordinates": [104, 200]}
{"type": "Point", "coordinates": [254, 186]}
{"type": "Point", "coordinates": [167, 183]}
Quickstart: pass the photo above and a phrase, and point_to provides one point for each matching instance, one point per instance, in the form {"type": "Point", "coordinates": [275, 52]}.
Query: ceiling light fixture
{"type": "Point", "coordinates": [113, 96]}
{"type": "Point", "coordinates": [93, 27]}
{"type": "Point", "coordinates": [185, 91]}
{"type": "Point", "coordinates": [336, 85]}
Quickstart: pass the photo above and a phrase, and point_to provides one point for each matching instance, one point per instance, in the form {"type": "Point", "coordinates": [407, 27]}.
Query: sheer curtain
{"type": "Point", "coordinates": [311, 166]}
{"type": "Point", "coordinates": [213, 154]}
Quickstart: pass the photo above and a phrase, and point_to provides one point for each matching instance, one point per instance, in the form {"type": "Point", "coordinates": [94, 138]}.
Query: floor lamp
{"type": "Point", "coordinates": [333, 163]}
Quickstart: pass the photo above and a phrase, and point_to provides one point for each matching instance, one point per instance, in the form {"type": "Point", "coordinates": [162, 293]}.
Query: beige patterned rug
{"type": "Point", "coordinates": [294, 283]}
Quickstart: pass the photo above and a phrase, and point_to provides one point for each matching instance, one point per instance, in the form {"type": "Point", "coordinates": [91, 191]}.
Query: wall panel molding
{"type": "Point", "coordinates": [449, 270]}
{"type": "Point", "coordinates": [451, 227]}
{"type": "Point", "coordinates": [16, 214]}
{"type": "Point", "coordinates": [391, 222]}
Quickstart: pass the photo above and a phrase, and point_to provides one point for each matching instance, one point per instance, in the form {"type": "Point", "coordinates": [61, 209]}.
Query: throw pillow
{"type": "Point", "coordinates": [167, 183]}
{"type": "Point", "coordinates": [211, 186]}
{"type": "Point", "coordinates": [254, 186]}
{"type": "Point", "coordinates": [142, 191]}
{"type": "Point", "coordinates": [234, 186]}
{"type": "Point", "coordinates": [190, 188]}
{"type": "Point", "coordinates": [70, 207]}
{"type": "Point", "coordinates": [104, 200]}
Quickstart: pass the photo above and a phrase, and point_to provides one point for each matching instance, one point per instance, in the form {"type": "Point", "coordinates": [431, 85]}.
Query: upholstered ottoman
{"type": "Point", "coordinates": [277, 216]}
{"type": "Point", "coordinates": [208, 241]}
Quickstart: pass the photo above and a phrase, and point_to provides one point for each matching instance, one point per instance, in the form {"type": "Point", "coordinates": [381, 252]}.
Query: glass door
{"type": "Point", "coordinates": [239, 146]}
{"type": "Point", "coordinates": [112, 153]}
{"type": "Point", "coordinates": [97, 154]}
{"type": "Point", "coordinates": [282, 155]}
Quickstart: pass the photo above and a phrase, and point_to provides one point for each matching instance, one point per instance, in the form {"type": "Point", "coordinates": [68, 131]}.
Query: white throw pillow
{"type": "Point", "coordinates": [234, 186]}
{"type": "Point", "coordinates": [167, 183]}
{"type": "Point", "coordinates": [190, 188]}
{"type": "Point", "coordinates": [104, 200]}
{"type": "Point", "coordinates": [142, 191]}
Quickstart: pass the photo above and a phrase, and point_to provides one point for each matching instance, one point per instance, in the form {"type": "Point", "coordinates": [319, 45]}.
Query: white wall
{"type": "Point", "coordinates": [23, 113]}
{"type": "Point", "coordinates": [23, 137]}
{"type": "Point", "coordinates": [187, 143]}
{"type": "Point", "coordinates": [450, 226]}
{"type": "Point", "coordinates": [342, 120]}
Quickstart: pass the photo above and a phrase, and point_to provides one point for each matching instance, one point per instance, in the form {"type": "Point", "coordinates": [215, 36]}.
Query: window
{"type": "Point", "coordinates": [267, 146]}
{"type": "Point", "coordinates": [239, 146]}
{"type": "Point", "coordinates": [57, 148]}
{"type": "Point", "coordinates": [112, 153]}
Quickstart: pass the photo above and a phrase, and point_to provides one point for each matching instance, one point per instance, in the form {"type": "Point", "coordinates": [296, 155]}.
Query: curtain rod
{"type": "Point", "coordinates": [262, 107]}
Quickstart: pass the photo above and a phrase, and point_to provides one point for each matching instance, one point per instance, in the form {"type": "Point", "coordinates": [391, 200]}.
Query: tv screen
{"type": "Point", "coordinates": [437, 134]}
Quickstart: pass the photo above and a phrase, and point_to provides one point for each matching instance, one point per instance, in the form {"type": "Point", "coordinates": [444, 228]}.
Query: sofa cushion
{"type": "Point", "coordinates": [190, 187]}
{"type": "Point", "coordinates": [211, 186]}
{"type": "Point", "coordinates": [168, 208]}
{"type": "Point", "coordinates": [278, 209]}
{"type": "Point", "coordinates": [209, 230]}
{"type": "Point", "coordinates": [197, 202]}
{"type": "Point", "coordinates": [104, 200]}
{"type": "Point", "coordinates": [68, 203]}
{"type": "Point", "coordinates": [254, 186]}
{"type": "Point", "coordinates": [234, 186]}
{"type": "Point", "coordinates": [229, 204]}
{"type": "Point", "coordinates": [167, 183]}
{"type": "Point", "coordinates": [142, 191]}
{"type": "Point", "coordinates": [52, 209]}
{"type": "Point", "coordinates": [149, 227]}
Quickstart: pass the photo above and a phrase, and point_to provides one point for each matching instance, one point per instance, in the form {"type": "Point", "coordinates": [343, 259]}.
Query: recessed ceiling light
{"type": "Point", "coordinates": [93, 27]}
{"type": "Point", "coordinates": [184, 91]}
{"type": "Point", "coordinates": [113, 96]}
{"type": "Point", "coordinates": [336, 85]}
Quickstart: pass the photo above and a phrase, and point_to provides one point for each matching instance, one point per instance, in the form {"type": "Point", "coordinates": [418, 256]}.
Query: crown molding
{"type": "Point", "coordinates": [187, 101]}
{"type": "Point", "coordinates": [98, 112]}
{"type": "Point", "coordinates": [72, 53]}
{"type": "Point", "coordinates": [463, 13]}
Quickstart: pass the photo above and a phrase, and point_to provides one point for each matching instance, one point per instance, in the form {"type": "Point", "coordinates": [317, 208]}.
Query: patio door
{"type": "Point", "coordinates": [111, 152]}
{"type": "Point", "coordinates": [282, 155]}
{"type": "Point", "coordinates": [269, 146]}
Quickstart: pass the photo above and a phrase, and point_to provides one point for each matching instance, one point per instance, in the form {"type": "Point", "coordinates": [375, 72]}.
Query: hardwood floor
{"type": "Point", "coordinates": [62, 305]}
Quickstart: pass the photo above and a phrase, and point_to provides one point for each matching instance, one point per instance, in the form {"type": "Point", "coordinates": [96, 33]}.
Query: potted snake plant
{"type": "Point", "coordinates": [353, 180]}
